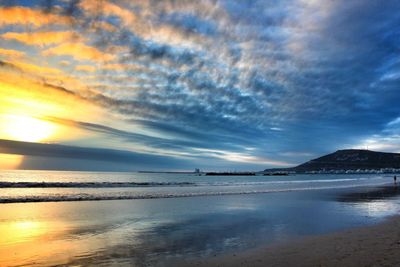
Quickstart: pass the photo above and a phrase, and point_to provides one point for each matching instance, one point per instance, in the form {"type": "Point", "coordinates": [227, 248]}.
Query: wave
{"type": "Point", "coordinates": [133, 195]}
{"type": "Point", "coordinates": [165, 184]}
{"type": "Point", "coordinates": [229, 183]}
{"type": "Point", "coordinates": [89, 184]}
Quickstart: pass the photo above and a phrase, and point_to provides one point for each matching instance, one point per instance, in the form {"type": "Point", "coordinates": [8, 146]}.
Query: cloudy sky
{"type": "Point", "coordinates": [178, 85]}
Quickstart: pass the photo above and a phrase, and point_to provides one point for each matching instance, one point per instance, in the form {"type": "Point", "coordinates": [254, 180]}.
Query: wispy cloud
{"type": "Point", "coordinates": [42, 38]}
{"type": "Point", "coordinates": [17, 15]}
{"type": "Point", "coordinates": [85, 68]}
{"type": "Point", "coordinates": [11, 53]}
{"type": "Point", "coordinates": [29, 67]}
{"type": "Point", "coordinates": [78, 51]}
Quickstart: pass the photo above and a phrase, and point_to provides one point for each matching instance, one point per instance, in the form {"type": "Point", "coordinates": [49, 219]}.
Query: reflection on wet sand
{"type": "Point", "coordinates": [21, 231]}
{"type": "Point", "coordinates": [373, 202]}
{"type": "Point", "coordinates": [371, 194]}
{"type": "Point", "coordinates": [151, 232]}
{"type": "Point", "coordinates": [26, 242]}
{"type": "Point", "coordinates": [36, 235]}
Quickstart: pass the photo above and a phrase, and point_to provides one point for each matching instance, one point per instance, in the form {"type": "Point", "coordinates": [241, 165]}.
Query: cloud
{"type": "Point", "coordinates": [108, 9]}
{"type": "Point", "coordinates": [388, 139]}
{"type": "Point", "coordinates": [85, 68]}
{"type": "Point", "coordinates": [121, 67]}
{"type": "Point", "coordinates": [78, 51]}
{"type": "Point", "coordinates": [148, 140]}
{"type": "Point", "coordinates": [42, 38]}
{"type": "Point", "coordinates": [105, 26]}
{"type": "Point", "coordinates": [17, 15]}
{"type": "Point", "coordinates": [285, 79]}
{"type": "Point", "coordinates": [243, 157]}
{"type": "Point", "coordinates": [190, 23]}
{"type": "Point", "coordinates": [11, 53]}
{"type": "Point", "coordinates": [189, 145]}
{"type": "Point", "coordinates": [33, 68]}
{"type": "Point", "coordinates": [84, 153]}
{"type": "Point", "coordinates": [24, 94]}
{"type": "Point", "coordinates": [142, 19]}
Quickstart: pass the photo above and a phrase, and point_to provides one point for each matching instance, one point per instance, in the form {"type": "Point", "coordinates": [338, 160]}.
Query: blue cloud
{"type": "Point", "coordinates": [190, 23]}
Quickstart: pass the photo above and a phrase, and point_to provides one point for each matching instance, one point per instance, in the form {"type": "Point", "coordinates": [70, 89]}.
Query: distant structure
{"type": "Point", "coordinates": [230, 173]}
{"type": "Point", "coordinates": [197, 171]}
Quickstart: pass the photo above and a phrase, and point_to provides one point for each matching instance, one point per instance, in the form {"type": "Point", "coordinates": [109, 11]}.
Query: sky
{"type": "Point", "coordinates": [177, 85]}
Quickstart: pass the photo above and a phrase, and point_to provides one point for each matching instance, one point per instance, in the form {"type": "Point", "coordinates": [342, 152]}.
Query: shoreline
{"type": "Point", "coordinates": [374, 245]}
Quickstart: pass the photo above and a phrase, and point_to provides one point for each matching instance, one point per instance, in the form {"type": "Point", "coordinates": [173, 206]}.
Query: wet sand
{"type": "Point", "coordinates": [377, 245]}
{"type": "Point", "coordinates": [159, 232]}
{"type": "Point", "coordinates": [369, 194]}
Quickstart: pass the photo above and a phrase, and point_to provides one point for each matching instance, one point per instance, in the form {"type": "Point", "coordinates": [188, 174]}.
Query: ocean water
{"type": "Point", "coordinates": [148, 219]}
{"type": "Point", "coordinates": [41, 186]}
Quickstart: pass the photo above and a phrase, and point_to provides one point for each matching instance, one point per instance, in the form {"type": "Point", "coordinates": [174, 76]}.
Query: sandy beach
{"type": "Point", "coordinates": [285, 228]}
{"type": "Point", "coordinates": [377, 245]}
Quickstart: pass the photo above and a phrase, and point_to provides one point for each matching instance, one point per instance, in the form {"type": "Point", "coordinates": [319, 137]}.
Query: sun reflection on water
{"type": "Point", "coordinates": [377, 208]}
{"type": "Point", "coordinates": [21, 231]}
{"type": "Point", "coordinates": [34, 234]}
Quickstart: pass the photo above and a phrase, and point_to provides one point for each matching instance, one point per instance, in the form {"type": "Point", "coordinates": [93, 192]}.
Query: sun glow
{"type": "Point", "coordinates": [26, 106]}
{"type": "Point", "coordinates": [28, 129]}
{"type": "Point", "coordinates": [10, 162]}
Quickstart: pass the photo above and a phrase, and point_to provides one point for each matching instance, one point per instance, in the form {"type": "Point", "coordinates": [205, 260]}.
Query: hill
{"type": "Point", "coordinates": [349, 160]}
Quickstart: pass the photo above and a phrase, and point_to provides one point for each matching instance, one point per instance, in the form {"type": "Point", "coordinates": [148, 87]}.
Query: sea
{"type": "Point", "coordinates": [52, 218]}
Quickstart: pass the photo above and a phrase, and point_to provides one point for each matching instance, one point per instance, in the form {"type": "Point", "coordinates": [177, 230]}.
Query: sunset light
{"type": "Point", "coordinates": [28, 129]}
{"type": "Point", "coordinates": [199, 133]}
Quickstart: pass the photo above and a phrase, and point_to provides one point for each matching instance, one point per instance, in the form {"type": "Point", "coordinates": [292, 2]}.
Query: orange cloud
{"type": "Point", "coordinates": [78, 51]}
{"type": "Point", "coordinates": [108, 9]}
{"type": "Point", "coordinates": [120, 67]}
{"type": "Point", "coordinates": [27, 16]}
{"type": "Point", "coordinates": [64, 63]}
{"type": "Point", "coordinates": [85, 68]}
{"type": "Point", "coordinates": [102, 26]}
{"type": "Point", "coordinates": [106, 26]}
{"type": "Point", "coordinates": [40, 74]}
{"type": "Point", "coordinates": [32, 68]}
{"type": "Point", "coordinates": [41, 38]}
{"type": "Point", "coordinates": [140, 24]}
{"type": "Point", "coordinates": [11, 53]}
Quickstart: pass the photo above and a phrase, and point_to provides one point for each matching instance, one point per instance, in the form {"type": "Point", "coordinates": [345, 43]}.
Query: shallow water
{"type": "Point", "coordinates": [144, 232]}
{"type": "Point", "coordinates": [41, 186]}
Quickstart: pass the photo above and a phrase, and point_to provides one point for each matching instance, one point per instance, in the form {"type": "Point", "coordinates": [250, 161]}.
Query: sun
{"type": "Point", "coordinates": [26, 128]}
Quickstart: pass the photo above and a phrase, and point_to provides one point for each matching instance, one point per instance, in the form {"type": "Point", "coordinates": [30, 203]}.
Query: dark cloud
{"type": "Point", "coordinates": [134, 159]}
{"type": "Point", "coordinates": [180, 139]}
